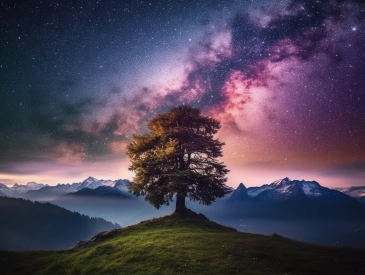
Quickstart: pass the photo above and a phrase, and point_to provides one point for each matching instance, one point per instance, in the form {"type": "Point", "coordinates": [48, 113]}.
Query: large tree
{"type": "Point", "coordinates": [178, 158]}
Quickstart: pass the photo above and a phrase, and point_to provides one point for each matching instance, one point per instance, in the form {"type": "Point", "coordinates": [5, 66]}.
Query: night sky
{"type": "Point", "coordinates": [285, 78]}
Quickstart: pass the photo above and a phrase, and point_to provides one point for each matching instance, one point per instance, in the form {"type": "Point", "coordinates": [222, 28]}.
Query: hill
{"type": "Point", "coordinates": [186, 245]}
{"type": "Point", "coordinates": [27, 225]}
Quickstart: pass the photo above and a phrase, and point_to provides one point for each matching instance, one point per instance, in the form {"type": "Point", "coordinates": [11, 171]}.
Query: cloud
{"type": "Point", "coordinates": [119, 146]}
{"type": "Point", "coordinates": [353, 170]}
{"type": "Point", "coordinates": [259, 73]}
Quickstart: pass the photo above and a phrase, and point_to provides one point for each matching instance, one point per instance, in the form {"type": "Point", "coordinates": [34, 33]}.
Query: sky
{"type": "Point", "coordinates": [285, 79]}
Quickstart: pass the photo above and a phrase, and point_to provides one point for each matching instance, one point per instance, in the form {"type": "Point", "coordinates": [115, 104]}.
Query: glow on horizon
{"type": "Point", "coordinates": [249, 175]}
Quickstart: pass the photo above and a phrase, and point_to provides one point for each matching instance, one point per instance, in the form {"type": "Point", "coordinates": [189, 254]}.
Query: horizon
{"type": "Point", "coordinates": [115, 179]}
{"type": "Point", "coordinates": [285, 80]}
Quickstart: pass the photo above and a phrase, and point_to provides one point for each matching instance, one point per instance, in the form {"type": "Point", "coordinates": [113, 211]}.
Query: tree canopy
{"type": "Point", "coordinates": [178, 158]}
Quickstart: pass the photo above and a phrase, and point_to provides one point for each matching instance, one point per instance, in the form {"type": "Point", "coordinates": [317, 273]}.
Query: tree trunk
{"type": "Point", "coordinates": [180, 204]}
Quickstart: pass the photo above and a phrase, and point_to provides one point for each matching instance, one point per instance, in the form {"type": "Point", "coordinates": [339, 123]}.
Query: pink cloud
{"type": "Point", "coordinates": [118, 146]}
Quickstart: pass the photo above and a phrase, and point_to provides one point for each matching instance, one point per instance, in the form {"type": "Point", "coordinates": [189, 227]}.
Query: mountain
{"type": "Point", "coordinates": [4, 190]}
{"type": "Point", "coordinates": [293, 198]}
{"type": "Point", "coordinates": [111, 203]}
{"type": "Point", "coordinates": [27, 225]}
{"type": "Point", "coordinates": [297, 209]}
{"type": "Point", "coordinates": [357, 192]}
{"type": "Point", "coordinates": [48, 193]}
{"type": "Point", "coordinates": [240, 194]}
{"type": "Point", "coordinates": [44, 192]}
{"type": "Point", "coordinates": [101, 191]}
{"type": "Point", "coordinates": [109, 199]}
{"type": "Point", "coordinates": [21, 189]}
{"type": "Point", "coordinates": [90, 182]}
{"type": "Point", "coordinates": [17, 190]}
{"type": "Point", "coordinates": [122, 185]}
{"type": "Point", "coordinates": [285, 189]}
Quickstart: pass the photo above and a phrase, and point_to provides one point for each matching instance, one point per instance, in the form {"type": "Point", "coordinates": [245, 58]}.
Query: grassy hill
{"type": "Point", "coordinates": [186, 245]}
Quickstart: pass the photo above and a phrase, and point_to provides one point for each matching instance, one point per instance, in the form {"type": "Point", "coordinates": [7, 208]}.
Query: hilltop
{"type": "Point", "coordinates": [189, 244]}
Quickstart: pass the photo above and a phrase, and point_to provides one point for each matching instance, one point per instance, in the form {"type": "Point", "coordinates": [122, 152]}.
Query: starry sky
{"type": "Point", "coordinates": [286, 78]}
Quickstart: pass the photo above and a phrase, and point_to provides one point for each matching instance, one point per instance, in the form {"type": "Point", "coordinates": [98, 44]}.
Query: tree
{"type": "Point", "coordinates": [178, 157]}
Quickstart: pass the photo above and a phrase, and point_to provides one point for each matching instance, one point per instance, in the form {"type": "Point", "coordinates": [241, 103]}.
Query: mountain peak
{"type": "Point", "coordinates": [3, 186]}
{"type": "Point", "coordinates": [33, 184]}
{"type": "Point", "coordinates": [282, 182]}
{"type": "Point", "coordinates": [239, 194]}
{"type": "Point", "coordinates": [241, 186]}
{"type": "Point", "coordinates": [90, 182]}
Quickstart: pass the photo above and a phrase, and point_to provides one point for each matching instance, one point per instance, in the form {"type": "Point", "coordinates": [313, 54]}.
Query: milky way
{"type": "Point", "coordinates": [286, 79]}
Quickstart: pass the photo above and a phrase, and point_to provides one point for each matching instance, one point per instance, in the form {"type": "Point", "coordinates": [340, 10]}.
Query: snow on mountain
{"type": "Point", "coordinates": [65, 188]}
{"type": "Point", "coordinates": [122, 185]}
{"type": "Point", "coordinates": [37, 191]}
{"type": "Point", "coordinates": [91, 183]}
{"type": "Point", "coordinates": [281, 182]}
{"type": "Point", "coordinates": [254, 191]}
{"type": "Point", "coordinates": [17, 190]}
{"type": "Point", "coordinates": [109, 183]}
{"type": "Point", "coordinates": [283, 189]}
{"type": "Point", "coordinates": [341, 189]}
{"type": "Point", "coordinates": [354, 191]}
{"type": "Point", "coordinates": [6, 191]}
{"type": "Point", "coordinates": [3, 186]}
{"type": "Point", "coordinates": [287, 199]}
{"type": "Point", "coordinates": [50, 192]}
{"type": "Point", "coordinates": [35, 186]}
{"type": "Point", "coordinates": [20, 189]}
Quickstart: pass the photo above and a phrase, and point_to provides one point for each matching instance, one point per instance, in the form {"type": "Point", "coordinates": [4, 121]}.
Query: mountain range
{"type": "Point", "coordinates": [45, 192]}
{"type": "Point", "coordinates": [286, 198]}
{"type": "Point", "coordinates": [283, 198]}
{"type": "Point", "coordinates": [283, 189]}
{"type": "Point", "coordinates": [298, 209]}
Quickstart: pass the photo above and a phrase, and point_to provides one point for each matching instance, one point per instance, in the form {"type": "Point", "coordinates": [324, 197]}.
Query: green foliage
{"type": "Point", "coordinates": [187, 245]}
{"type": "Point", "coordinates": [178, 157]}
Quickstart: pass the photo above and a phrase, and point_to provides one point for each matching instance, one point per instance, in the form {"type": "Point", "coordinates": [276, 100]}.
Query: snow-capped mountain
{"type": "Point", "coordinates": [286, 198]}
{"type": "Point", "coordinates": [4, 190]}
{"type": "Point", "coordinates": [48, 193]}
{"type": "Point", "coordinates": [110, 183]}
{"type": "Point", "coordinates": [17, 190]}
{"type": "Point", "coordinates": [44, 192]}
{"type": "Point", "coordinates": [91, 183]}
{"type": "Point", "coordinates": [357, 192]}
{"type": "Point", "coordinates": [122, 185]}
{"type": "Point", "coordinates": [21, 189]}
{"type": "Point", "coordinates": [285, 189]}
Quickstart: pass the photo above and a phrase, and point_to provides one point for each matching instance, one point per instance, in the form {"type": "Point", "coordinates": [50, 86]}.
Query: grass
{"type": "Point", "coordinates": [178, 244]}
